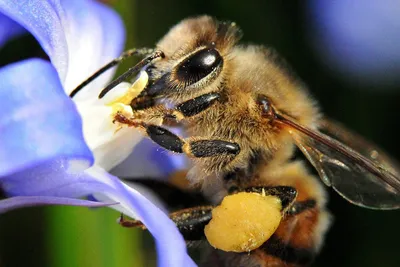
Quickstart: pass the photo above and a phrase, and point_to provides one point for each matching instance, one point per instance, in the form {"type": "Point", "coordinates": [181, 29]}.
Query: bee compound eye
{"type": "Point", "coordinates": [199, 65]}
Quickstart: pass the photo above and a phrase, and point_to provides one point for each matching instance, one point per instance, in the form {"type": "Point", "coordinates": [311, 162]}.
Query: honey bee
{"type": "Point", "coordinates": [245, 111]}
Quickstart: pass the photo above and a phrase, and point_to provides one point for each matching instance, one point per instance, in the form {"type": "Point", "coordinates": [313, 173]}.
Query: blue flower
{"type": "Point", "coordinates": [46, 157]}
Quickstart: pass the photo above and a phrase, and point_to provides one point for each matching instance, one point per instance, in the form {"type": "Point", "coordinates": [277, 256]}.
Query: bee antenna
{"type": "Point", "coordinates": [127, 54]}
{"type": "Point", "coordinates": [147, 60]}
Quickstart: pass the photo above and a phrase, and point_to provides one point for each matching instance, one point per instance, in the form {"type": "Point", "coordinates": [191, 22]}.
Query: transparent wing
{"type": "Point", "coordinates": [368, 179]}
{"type": "Point", "coordinates": [360, 144]}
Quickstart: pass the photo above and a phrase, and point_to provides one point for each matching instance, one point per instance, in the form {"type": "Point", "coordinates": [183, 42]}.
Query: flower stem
{"type": "Point", "coordinates": [90, 237]}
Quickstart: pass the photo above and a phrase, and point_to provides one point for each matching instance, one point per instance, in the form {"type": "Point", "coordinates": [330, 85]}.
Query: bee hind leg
{"type": "Point", "coordinates": [301, 233]}
{"type": "Point", "coordinates": [190, 222]}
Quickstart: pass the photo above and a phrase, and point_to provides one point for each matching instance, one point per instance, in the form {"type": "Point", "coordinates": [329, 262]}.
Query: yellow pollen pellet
{"type": "Point", "coordinates": [243, 222]}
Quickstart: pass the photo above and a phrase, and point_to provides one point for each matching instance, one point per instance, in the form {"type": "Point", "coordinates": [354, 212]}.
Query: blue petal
{"type": "Point", "coordinates": [8, 29]}
{"type": "Point", "coordinates": [42, 19]}
{"type": "Point", "coordinates": [29, 201]}
{"type": "Point", "coordinates": [79, 36]}
{"type": "Point", "coordinates": [38, 122]}
{"type": "Point", "coordinates": [52, 180]}
{"type": "Point", "coordinates": [150, 160]}
{"type": "Point", "coordinates": [359, 38]}
{"type": "Point", "coordinates": [171, 247]}
{"type": "Point", "coordinates": [95, 36]}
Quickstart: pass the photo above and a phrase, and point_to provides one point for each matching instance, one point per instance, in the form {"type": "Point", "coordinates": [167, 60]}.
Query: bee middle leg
{"type": "Point", "coordinates": [152, 119]}
{"type": "Point", "coordinates": [191, 146]}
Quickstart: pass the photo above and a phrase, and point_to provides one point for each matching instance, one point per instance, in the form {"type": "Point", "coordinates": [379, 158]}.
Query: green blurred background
{"type": "Point", "coordinates": [70, 236]}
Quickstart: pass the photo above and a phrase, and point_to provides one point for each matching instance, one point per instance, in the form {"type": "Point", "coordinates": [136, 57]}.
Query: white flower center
{"type": "Point", "coordinates": [111, 143]}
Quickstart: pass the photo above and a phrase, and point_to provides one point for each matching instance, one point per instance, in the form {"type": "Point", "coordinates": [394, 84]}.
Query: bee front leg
{"type": "Point", "coordinates": [145, 105]}
{"type": "Point", "coordinates": [198, 104]}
